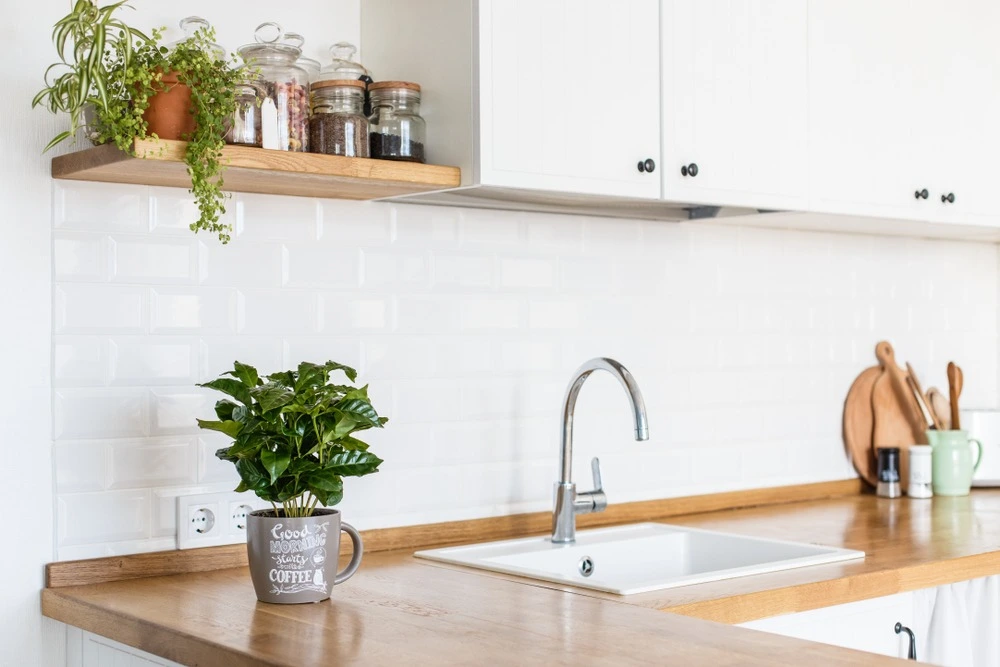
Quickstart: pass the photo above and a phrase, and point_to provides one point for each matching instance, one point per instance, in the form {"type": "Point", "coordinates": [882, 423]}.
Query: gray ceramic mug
{"type": "Point", "coordinates": [295, 560]}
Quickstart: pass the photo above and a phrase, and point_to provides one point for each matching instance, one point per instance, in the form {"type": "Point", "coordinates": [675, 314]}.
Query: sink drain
{"type": "Point", "coordinates": [586, 566]}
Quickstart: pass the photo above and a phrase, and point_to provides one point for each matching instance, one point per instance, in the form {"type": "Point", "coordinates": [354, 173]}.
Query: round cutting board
{"type": "Point", "coordinates": [859, 425]}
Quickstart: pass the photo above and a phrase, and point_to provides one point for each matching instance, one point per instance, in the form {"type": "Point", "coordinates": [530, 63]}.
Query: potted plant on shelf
{"type": "Point", "coordinates": [293, 443]}
{"type": "Point", "coordinates": [187, 91]}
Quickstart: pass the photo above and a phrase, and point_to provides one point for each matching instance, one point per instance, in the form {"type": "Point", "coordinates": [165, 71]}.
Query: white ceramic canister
{"type": "Point", "coordinates": [920, 472]}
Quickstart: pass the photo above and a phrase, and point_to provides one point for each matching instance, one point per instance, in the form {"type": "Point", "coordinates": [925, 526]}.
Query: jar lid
{"type": "Point", "coordinates": [339, 83]}
{"type": "Point", "coordinates": [190, 26]}
{"type": "Point", "coordinates": [405, 85]}
{"type": "Point", "coordinates": [343, 65]}
{"type": "Point", "coordinates": [271, 44]}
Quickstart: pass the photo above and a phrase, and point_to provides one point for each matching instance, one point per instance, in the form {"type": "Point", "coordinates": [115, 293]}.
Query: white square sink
{"type": "Point", "coordinates": [640, 557]}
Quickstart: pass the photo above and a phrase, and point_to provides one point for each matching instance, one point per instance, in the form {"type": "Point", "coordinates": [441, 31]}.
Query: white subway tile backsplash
{"type": "Point", "coordinates": [468, 324]}
{"type": "Point", "coordinates": [153, 462]}
{"type": "Point", "coordinates": [197, 310]}
{"type": "Point", "coordinates": [154, 261]}
{"type": "Point", "coordinates": [155, 361]}
{"type": "Point", "coordinates": [83, 308]}
{"type": "Point", "coordinates": [80, 257]}
{"type": "Point", "coordinates": [80, 361]}
{"type": "Point", "coordinates": [107, 516]}
{"type": "Point", "coordinates": [100, 413]}
{"type": "Point", "coordinates": [100, 207]}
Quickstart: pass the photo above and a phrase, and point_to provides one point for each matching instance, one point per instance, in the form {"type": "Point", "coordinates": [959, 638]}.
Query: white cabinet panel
{"type": "Point", "coordinates": [569, 95]}
{"type": "Point", "coordinates": [85, 649]}
{"type": "Point", "coordinates": [735, 101]}
{"type": "Point", "coordinates": [868, 625]}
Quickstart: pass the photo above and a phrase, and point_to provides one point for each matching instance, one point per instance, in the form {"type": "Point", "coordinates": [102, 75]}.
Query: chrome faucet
{"type": "Point", "coordinates": [569, 503]}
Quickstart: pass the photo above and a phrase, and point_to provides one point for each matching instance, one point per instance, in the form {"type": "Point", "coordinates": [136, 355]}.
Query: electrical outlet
{"type": "Point", "coordinates": [213, 519]}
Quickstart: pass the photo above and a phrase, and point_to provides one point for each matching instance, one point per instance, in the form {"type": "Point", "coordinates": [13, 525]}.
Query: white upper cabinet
{"type": "Point", "coordinates": [569, 96]}
{"type": "Point", "coordinates": [735, 94]}
{"type": "Point", "coordinates": [903, 107]}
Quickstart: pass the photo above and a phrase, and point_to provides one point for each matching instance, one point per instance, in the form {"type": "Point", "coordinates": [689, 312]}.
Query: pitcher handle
{"type": "Point", "coordinates": [979, 455]}
{"type": "Point", "coordinates": [359, 551]}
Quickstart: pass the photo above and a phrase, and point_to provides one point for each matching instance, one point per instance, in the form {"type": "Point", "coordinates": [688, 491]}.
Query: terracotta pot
{"type": "Point", "coordinates": [169, 113]}
{"type": "Point", "coordinates": [295, 560]}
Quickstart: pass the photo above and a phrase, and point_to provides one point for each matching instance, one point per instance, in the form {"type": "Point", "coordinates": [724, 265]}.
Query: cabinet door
{"type": "Point", "coordinates": [735, 101]}
{"type": "Point", "coordinates": [868, 625]}
{"type": "Point", "coordinates": [875, 75]}
{"type": "Point", "coordinates": [569, 95]}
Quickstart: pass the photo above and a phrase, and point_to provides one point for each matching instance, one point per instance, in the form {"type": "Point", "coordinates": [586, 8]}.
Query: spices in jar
{"type": "Point", "coordinates": [283, 89]}
{"type": "Point", "coordinates": [338, 125]}
{"type": "Point", "coordinates": [397, 129]}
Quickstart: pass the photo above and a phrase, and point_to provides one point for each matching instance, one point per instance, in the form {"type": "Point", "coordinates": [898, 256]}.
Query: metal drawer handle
{"type": "Point", "coordinates": [912, 654]}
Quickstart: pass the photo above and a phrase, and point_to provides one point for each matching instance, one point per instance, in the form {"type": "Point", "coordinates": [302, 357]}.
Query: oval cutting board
{"type": "Point", "coordinates": [859, 424]}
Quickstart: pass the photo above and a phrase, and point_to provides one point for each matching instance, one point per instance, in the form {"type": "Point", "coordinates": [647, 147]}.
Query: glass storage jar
{"type": "Point", "coordinates": [244, 128]}
{"type": "Point", "coordinates": [338, 125]}
{"type": "Point", "coordinates": [284, 89]}
{"type": "Point", "coordinates": [343, 65]}
{"type": "Point", "coordinates": [311, 66]}
{"type": "Point", "coordinates": [397, 130]}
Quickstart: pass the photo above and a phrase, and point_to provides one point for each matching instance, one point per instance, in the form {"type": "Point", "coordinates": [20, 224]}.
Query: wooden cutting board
{"type": "Point", "coordinates": [859, 424]}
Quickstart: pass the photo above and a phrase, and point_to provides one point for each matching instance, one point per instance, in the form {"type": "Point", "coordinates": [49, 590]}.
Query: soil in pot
{"type": "Point", "coordinates": [169, 112]}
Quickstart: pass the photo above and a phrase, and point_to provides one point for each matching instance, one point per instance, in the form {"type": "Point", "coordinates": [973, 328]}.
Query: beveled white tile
{"type": "Point", "coordinates": [149, 261]}
{"type": "Point", "coordinates": [423, 226]}
{"type": "Point", "coordinates": [212, 469]}
{"type": "Point", "coordinates": [80, 361]}
{"type": "Point", "coordinates": [100, 413]}
{"type": "Point", "coordinates": [152, 462]}
{"type": "Point", "coordinates": [83, 308]}
{"type": "Point", "coordinates": [241, 265]}
{"type": "Point", "coordinates": [172, 210]}
{"type": "Point", "coordinates": [345, 223]}
{"type": "Point", "coordinates": [174, 411]}
{"type": "Point", "coordinates": [276, 312]}
{"type": "Point", "coordinates": [106, 516]}
{"type": "Point", "coordinates": [154, 360]}
{"type": "Point", "coordinates": [100, 206]}
{"type": "Point", "coordinates": [521, 272]}
{"type": "Point", "coordinates": [319, 266]}
{"type": "Point", "coordinates": [347, 312]}
{"type": "Point", "coordinates": [80, 465]}
{"type": "Point", "coordinates": [276, 218]}
{"type": "Point", "coordinates": [463, 271]}
{"type": "Point", "coordinates": [490, 313]}
{"type": "Point", "coordinates": [399, 270]}
{"type": "Point", "coordinates": [219, 352]}
{"type": "Point", "coordinates": [426, 314]}
{"type": "Point", "coordinates": [200, 310]}
{"type": "Point", "coordinates": [319, 349]}
{"type": "Point", "coordinates": [80, 257]}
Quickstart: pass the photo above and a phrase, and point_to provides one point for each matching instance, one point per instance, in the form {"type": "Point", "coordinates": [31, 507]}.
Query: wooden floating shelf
{"type": "Point", "coordinates": [258, 170]}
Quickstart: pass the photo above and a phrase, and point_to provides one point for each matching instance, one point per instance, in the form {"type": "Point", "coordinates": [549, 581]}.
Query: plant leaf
{"type": "Point", "coordinates": [230, 428]}
{"type": "Point", "coordinates": [352, 463]}
{"type": "Point", "coordinates": [62, 136]}
{"type": "Point", "coordinates": [232, 388]}
{"type": "Point", "coordinates": [360, 410]}
{"type": "Point", "coordinates": [224, 409]}
{"type": "Point", "coordinates": [272, 396]}
{"type": "Point", "coordinates": [331, 366]}
{"type": "Point", "coordinates": [275, 461]}
{"type": "Point", "coordinates": [252, 473]}
{"type": "Point", "coordinates": [245, 373]}
{"type": "Point", "coordinates": [326, 486]}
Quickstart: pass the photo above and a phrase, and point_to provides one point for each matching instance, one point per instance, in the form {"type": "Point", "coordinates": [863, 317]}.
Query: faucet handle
{"type": "Point", "coordinates": [595, 469]}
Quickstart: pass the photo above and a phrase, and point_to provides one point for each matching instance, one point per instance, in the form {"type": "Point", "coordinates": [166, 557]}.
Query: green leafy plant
{"type": "Point", "coordinates": [292, 433]}
{"type": "Point", "coordinates": [212, 80]}
{"type": "Point", "coordinates": [82, 76]}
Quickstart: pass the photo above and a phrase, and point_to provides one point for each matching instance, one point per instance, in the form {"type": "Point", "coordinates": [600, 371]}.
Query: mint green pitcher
{"type": "Point", "coordinates": [952, 461]}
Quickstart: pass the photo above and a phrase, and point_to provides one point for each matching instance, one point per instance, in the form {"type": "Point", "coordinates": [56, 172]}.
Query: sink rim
{"type": "Point", "coordinates": [452, 555]}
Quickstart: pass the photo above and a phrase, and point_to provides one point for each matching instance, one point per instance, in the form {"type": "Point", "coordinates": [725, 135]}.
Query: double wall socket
{"type": "Point", "coordinates": [213, 519]}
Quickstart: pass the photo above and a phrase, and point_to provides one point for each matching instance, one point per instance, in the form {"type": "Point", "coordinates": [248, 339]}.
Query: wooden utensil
{"type": "Point", "coordinates": [955, 380]}
{"type": "Point", "coordinates": [918, 393]}
{"type": "Point", "coordinates": [859, 425]}
{"type": "Point", "coordinates": [940, 407]}
{"type": "Point", "coordinates": [898, 422]}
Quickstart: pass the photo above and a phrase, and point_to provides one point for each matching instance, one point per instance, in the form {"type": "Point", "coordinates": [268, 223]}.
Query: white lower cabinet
{"type": "Point", "coordinates": [868, 625]}
{"type": "Point", "coordinates": [85, 649]}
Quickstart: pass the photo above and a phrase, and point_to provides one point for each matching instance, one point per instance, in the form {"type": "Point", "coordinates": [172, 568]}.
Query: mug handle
{"type": "Point", "coordinates": [979, 455]}
{"type": "Point", "coordinates": [359, 551]}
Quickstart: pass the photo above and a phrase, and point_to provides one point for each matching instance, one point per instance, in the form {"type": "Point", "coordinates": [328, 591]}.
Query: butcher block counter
{"type": "Point", "coordinates": [402, 610]}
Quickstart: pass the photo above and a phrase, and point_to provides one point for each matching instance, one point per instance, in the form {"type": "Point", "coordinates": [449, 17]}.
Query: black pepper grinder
{"type": "Point", "coordinates": [888, 473]}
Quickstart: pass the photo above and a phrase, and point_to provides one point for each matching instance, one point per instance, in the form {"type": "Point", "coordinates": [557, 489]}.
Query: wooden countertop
{"type": "Point", "coordinates": [400, 609]}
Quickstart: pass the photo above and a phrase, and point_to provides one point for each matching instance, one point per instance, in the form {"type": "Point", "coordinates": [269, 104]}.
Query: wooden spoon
{"type": "Point", "coordinates": [955, 380]}
{"type": "Point", "coordinates": [940, 406]}
{"type": "Point", "coordinates": [929, 417]}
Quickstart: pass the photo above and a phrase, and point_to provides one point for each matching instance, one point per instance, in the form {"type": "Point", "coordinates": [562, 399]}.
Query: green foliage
{"type": "Point", "coordinates": [82, 76]}
{"type": "Point", "coordinates": [293, 432]}
{"type": "Point", "coordinates": [212, 80]}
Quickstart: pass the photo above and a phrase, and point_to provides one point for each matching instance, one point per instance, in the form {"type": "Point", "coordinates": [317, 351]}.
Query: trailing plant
{"type": "Point", "coordinates": [293, 433]}
{"type": "Point", "coordinates": [212, 80]}
{"type": "Point", "coordinates": [82, 76]}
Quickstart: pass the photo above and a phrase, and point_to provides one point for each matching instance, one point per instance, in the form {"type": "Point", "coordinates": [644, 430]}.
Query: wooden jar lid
{"type": "Point", "coordinates": [339, 83]}
{"type": "Point", "coordinates": [379, 85]}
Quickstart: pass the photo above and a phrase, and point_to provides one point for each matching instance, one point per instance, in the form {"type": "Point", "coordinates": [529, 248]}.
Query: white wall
{"type": "Point", "coordinates": [468, 325]}
{"type": "Point", "coordinates": [26, 639]}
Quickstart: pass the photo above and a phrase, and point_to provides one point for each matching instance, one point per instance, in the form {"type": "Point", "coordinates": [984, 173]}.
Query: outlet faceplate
{"type": "Point", "coordinates": [214, 519]}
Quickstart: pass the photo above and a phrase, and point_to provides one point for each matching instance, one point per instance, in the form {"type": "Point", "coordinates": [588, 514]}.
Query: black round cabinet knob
{"type": "Point", "coordinates": [642, 165]}
{"type": "Point", "coordinates": [921, 194]}
{"type": "Point", "coordinates": [948, 198]}
{"type": "Point", "coordinates": [649, 165]}
{"type": "Point", "coordinates": [689, 170]}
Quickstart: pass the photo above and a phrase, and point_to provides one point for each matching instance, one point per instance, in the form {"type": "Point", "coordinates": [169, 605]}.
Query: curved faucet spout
{"type": "Point", "coordinates": [569, 406]}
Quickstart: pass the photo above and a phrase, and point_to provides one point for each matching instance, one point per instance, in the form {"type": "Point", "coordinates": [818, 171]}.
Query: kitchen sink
{"type": "Point", "coordinates": [640, 557]}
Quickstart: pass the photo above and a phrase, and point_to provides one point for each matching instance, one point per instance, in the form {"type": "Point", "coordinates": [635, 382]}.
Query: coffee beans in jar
{"type": "Point", "coordinates": [338, 125]}
{"type": "Point", "coordinates": [397, 129]}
